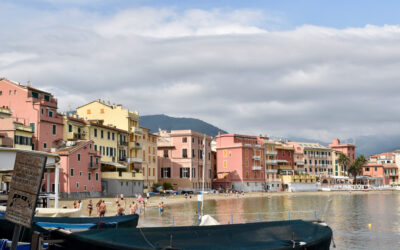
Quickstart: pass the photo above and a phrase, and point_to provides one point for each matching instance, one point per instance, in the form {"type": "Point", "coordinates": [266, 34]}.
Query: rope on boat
{"type": "Point", "coordinates": [145, 238]}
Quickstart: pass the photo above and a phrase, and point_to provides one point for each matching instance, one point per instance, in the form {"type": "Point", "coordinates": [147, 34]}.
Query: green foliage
{"type": "Point", "coordinates": [167, 185]}
{"type": "Point", "coordinates": [356, 167]}
{"type": "Point", "coordinates": [344, 161]}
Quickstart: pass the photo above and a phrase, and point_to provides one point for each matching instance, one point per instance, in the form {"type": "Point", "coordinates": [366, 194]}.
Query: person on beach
{"type": "Point", "coordinates": [90, 208]}
{"type": "Point", "coordinates": [103, 209]}
{"type": "Point", "coordinates": [144, 207]}
{"type": "Point", "coordinates": [98, 207]}
{"type": "Point", "coordinates": [120, 210]}
{"type": "Point", "coordinates": [78, 204]}
{"type": "Point", "coordinates": [186, 195]}
{"type": "Point", "coordinates": [74, 204]}
{"type": "Point", "coordinates": [116, 200]}
{"type": "Point", "coordinates": [132, 208]}
{"type": "Point", "coordinates": [159, 209]}
{"type": "Point", "coordinates": [148, 196]}
{"type": "Point", "coordinates": [139, 207]}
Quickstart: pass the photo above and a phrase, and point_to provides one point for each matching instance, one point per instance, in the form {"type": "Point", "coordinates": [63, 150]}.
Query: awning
{"type": "Point", "coordinates": [115, 164]}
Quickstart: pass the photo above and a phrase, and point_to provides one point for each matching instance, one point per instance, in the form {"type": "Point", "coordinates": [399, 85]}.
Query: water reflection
{"type": "Point", "coordinates": [349, 215]}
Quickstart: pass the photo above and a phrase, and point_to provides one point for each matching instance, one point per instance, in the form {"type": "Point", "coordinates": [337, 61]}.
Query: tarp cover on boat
{"type": "Point", "coordinates": [295, 234]}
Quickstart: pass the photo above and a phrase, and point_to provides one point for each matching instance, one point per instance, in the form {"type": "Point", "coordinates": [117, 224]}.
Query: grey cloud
{"type": "Point", "coordinates": [311, 82]}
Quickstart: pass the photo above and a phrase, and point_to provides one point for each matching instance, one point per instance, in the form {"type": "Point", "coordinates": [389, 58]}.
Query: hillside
{"type": "Point", "coordinates": [155, 122]}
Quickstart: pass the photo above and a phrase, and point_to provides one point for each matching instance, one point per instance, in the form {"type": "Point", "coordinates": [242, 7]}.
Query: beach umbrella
{"type": "Point", "coordinates": [158, 188]}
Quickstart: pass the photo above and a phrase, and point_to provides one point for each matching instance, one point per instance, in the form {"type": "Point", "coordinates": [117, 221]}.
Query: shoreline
{"type": "Point", "coordinates": [180, 199]}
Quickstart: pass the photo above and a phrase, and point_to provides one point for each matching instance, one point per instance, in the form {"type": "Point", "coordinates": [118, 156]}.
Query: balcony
{"type": "Point", "coordinates": [273, 162]}
{"type": "Point", "coordinates": [93, 165]}
{"type": "Point", "coordinates": [135, 145]}
{"type": "Point", "coordinates": [271, 171]}
{"type": "Point", "coordinates": [122, 159]}
{"type": "Point", "coordinates": [134, 159]}
{"type": "Point", "coordinates": [299, 162]}
{"type": "Point", "coordinates": [256, 157]}
{"type": "Point", "coordinates": [271, 152]}
{"type": "Point", "coordinates": [256, 168]}
{"type": "Point", "coordinates": [137, 130]}
{"type": "Point", "coordinates": [122, 175]}
{"type": "Point", "coordinates": [123, 143]}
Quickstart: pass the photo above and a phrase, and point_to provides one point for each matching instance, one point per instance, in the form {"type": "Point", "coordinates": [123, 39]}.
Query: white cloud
{"type": "Point", "coordinates": [220, 66]}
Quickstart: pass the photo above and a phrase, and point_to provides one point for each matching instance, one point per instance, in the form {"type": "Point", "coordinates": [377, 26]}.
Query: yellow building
{"type": "Point", "coordinates": [123, 119]}
{"type": "Point", "coordinates": [13, 132]}
{"type": "Point", "coordinates": [271, 165]}
{"type": "Point", "coordinates": [149, 151]}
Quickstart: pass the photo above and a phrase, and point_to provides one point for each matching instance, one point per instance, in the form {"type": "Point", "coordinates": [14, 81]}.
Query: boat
{"type": "Point", "coordinates": [73, 224]}
{"type": "Point", "coordinates": [291, 234]}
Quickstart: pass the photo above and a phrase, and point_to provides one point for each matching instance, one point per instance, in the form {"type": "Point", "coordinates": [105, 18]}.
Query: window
{"type": "Point", "coordinates": [77, 185]}
{"type": "Point", "coordinates": [84, 188]}
{"type": "Point", "coordinates": [184, 172]}
{"type": "Point", "coordinates": [69, 128]}
{"type": "Point", "coordinates": [113, 136]}
{"type": "Point", "coordinates": [184, 153]}
{"type": "Point", "coordinates": [367, 169]}
{"type": "Point", "coordinates": [108, 135]}
{"type": "Point", "coordinates": [376, 169]}
{"type": "Point", "coordinates": [1, 92]}
{"type": "Point", "coordinates": [184, 139]}
{"type": "Point", "coordinates": [201, 154]}
{"type": "Point", "coordinates": [95, 147]}
{"type": "Point", "coordinates": [35, 94]}
{"type": "Point", "coordinates": [50, 113]}
{"type": "Point", "coordinates": [165, 172]}
{"type": "Point", "coordinates": [95, 132]}
{"type": "Point", "coordinates": [193, 173]}
{"type": "Point", "coordinates": [88, 111]}
{"type": "Point", "coordinates": [46, 98]}
{"type": "Point", "coordinates": [101, 134]}
{"type": "Point", "coordinates": [54, 129]}
{"type": "Point", "coordinates": [97, 176]}
{"type": "Point", "coordinates": [89, 176]}
{"type": "Point", "coordinates": [193, 155]}
{"type": "Point", "coordinates": [192, 140]}
{"type": "Point", "coordinates": [101, 111]}
{"type": "Point", "coordinates": [44, 145]}
{"type": "Point", "coordinates": [225, 153]}
{"type": "Point", "coordinates": [80, 173]}
{"type": "Point", "coordinates": [71, 172]}
{"type": "Point", "coordinates": [42, 111]}
{"type": "Point", "coordinates": [225, 164]}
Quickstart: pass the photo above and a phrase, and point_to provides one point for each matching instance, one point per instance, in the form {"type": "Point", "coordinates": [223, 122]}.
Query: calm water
{"type": "Point", "coordinates": [348, 215]}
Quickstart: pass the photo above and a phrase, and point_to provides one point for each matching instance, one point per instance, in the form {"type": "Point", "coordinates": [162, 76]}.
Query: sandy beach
{"type": "Point", "coordinates": [177, 199]}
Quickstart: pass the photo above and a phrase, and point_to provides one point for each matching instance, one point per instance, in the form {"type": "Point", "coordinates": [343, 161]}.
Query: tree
{"type": "Point", "coordinates": [344, 161]}
{"type": "Point", "coordinates": [167, 185]}
{"type": "Point", "coordinates": [356, 167]}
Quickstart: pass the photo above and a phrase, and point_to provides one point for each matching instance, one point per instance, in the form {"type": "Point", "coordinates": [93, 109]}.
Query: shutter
{"type": "Point", "coordinates": [180, 172]}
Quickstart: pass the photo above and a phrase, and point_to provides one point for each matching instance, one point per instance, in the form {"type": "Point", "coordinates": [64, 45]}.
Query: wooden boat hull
{"type": "Point", "coordinates": [296, 234]}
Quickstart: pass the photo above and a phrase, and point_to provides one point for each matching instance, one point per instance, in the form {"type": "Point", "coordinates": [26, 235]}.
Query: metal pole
{"type": "Point", "coordinates": [173, 221]}
{"type": "Point", "coordinates": [204, 167]}
{"type": "Point", "coordinates": [15, 238]}
{"type": "Point", "coordinates": [56, 181]}
{"type": "Point", "coordinates": [231, 218]}
{"type": "Point", "coordinates": [289, 215]}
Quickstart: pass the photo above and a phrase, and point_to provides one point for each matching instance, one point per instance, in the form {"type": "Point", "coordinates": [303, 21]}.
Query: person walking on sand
{"type": "Point", "coordinates": [120, 210]}
{"type": "Point", "coordinates": [78, 205]}
{"type": "Point", "coordinates": [103, 209]}
{"type": "Point", "coordinates": [116, 200]}
{"type": "Point", "coordinates": [98, 207]}
{"type": "Point", "coordinates": [74, 204]}
{"type": "Point", "coordinates": [90, 208]}
{"type": "Point", "coordinates": [132, 208]}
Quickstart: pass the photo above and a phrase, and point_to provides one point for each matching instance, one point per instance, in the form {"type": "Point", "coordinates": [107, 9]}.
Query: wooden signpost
{"type": "Point", "coordinates": [24, 189]}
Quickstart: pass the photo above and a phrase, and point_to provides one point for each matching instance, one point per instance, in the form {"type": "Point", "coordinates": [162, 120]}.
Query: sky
{"type": "Point", "coordinates": [310, 69]}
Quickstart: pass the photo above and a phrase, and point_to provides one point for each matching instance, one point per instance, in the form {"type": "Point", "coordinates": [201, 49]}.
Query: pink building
{"type": "Point", "coordinates": [80, 173]}
{"type": "Point", "coordinates": [240, 163]}
{"type": "Point", "coordinates": [180, 160]}
{"type": "Point", "coordinates": [347, 149]}
{"type": "Point", "coordinates": [36, 108]}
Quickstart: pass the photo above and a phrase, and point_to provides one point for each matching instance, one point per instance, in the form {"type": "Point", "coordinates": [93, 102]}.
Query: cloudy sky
{"type": "Point", "coordinates": [312, 69]}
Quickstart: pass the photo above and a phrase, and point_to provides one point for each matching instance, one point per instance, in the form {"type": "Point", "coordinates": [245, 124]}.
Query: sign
{"type": "Point", "coordinates": [24, 187]}
{"type": "Point", "coordinates": [199, 197]}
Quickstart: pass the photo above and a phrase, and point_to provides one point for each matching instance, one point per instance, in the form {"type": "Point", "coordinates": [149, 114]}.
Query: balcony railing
{"type": "Point", "coordinates": [122, 159]}
{"type": "Point", "coordinates": [271, 171]}
{"type": "Point", "coordinates": [271, 152]}
{"type": "Point", "coordinates": [299, 162]}
{"type": "Point", "coordinates": [256, 157]}
{"type": "Point", "coordinates": [137, 130]}
{"type": "Point", "coordinates": [272, 162]}
{"type": "Point", "coordinates": [135, 145]}
{"type": "Point", "coordinates": [123, 143]}
{"type": "Point", "coordinates": [134, 159]}
{"type": "Point", "coordinates": [93, 165]}
{"type": "Point", "coordinates": [257, 168]}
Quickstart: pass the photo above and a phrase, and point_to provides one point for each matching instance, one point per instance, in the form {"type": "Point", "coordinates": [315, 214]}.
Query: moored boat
{"type": "Point", "coordinates": [293, 234]}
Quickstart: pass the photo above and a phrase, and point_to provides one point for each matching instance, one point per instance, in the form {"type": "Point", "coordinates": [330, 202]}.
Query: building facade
{"type": "Point", "coordinates": [36, 108]}
{"type": "Point", "coordinates": [180, 159]}
{"type": "Point", "coordinates": [272, 179]}
{"type": "Point", "coordinates": [240, 163]}
{"type": "Point", "coordinates": [149, 164]}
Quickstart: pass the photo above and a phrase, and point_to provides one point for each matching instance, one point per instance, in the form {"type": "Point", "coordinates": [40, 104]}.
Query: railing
{"type": "Point", "coordinates": [271, 171]}
{"type": "Point", "coordinates": [257, 168]}
{"type": "Point", "coordinates": [137, 130]}
{"type": "Point", "coordinates": [93, 165]}
{"type": "Point", "coordinates": [256, 157]}
{"type": "Point", "coordinates": [271, 152]}
{"type": "Point", "coordinates": [122, 175]}
{"type": "Point", "coordinates": [299, 162]}
{"type": "Point", "coordinates": [134, 159]}
{"type": "Point", "coordinates": [123, 143]}
{"type": "Point", "coordinates": [272, 162]}
{"type": "Point", "coordinates": [122, 159]}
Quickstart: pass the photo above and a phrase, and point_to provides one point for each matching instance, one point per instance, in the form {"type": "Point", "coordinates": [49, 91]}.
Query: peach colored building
{"type": "Point", "coordinates": [180, 159]}
{"type": "Point", "coordinates": [375, 172]}
{"type": "Point", "coordinates": [80, 174]}
{"type": "Point", "coordinates": [36, 108]}
{"type": "Point", "coordinates": [347, 149]}
{"type": "Point", "coordinates": [240, 163]}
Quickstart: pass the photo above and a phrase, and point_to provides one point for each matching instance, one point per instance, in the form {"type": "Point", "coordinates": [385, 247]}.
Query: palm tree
{"type": "Point", "coordinates": [344, 161]}
{"type": "Point", "coordinates": [357, 167]}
